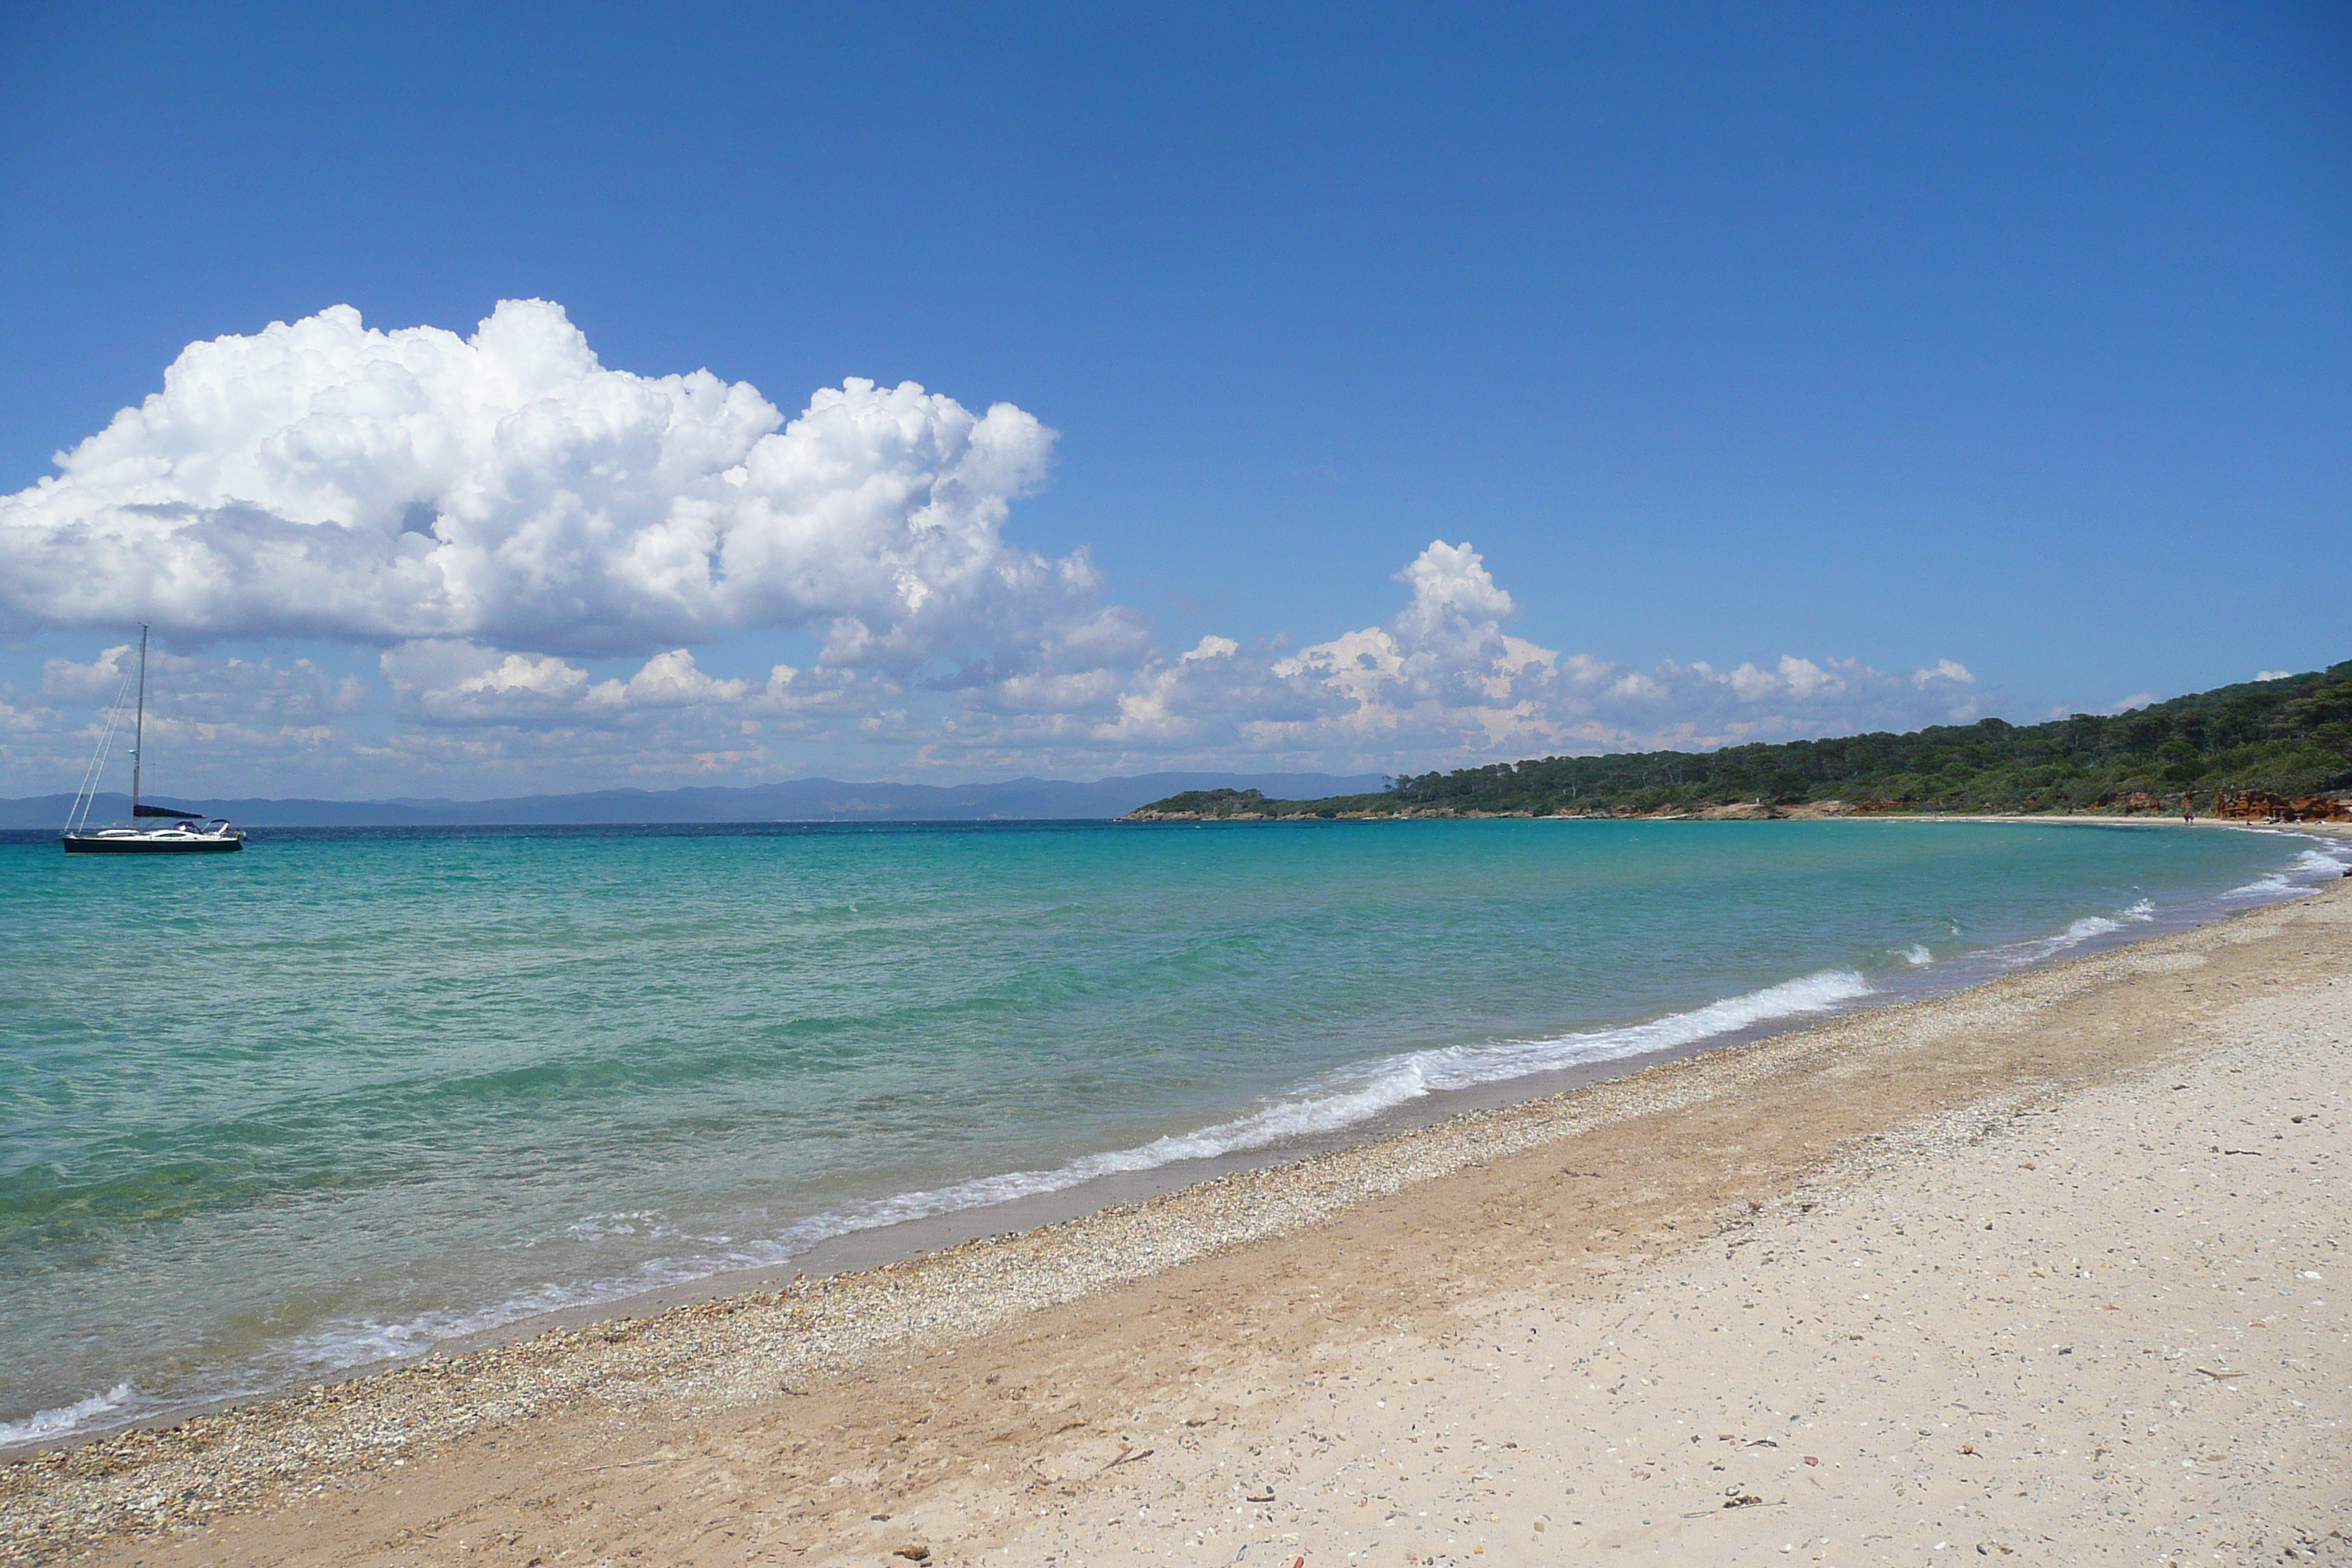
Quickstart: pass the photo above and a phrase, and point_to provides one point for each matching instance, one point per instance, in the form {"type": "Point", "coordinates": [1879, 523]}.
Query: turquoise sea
{"type": "Point", "coordinates": [268, 1116]}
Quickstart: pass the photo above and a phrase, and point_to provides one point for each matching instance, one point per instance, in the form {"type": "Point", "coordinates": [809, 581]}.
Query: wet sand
{"type": "Point", "coordinates": [1980, 1258]}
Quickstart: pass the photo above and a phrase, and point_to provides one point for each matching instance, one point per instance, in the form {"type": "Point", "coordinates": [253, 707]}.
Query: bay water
{"type": "Point", "coordinates": [270, 1115]}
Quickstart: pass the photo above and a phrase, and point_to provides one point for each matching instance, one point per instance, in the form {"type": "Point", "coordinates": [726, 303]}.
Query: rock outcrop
{"type": "Point", "coordinates": [2262, 805]}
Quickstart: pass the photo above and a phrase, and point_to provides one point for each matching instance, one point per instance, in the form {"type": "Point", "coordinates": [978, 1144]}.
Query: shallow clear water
{"type": "Point", "coordinates": [268, 1115]}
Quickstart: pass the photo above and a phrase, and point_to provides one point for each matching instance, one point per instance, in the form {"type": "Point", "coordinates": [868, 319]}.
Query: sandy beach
{"type": "Point", "coordinates": [2050, 1271]}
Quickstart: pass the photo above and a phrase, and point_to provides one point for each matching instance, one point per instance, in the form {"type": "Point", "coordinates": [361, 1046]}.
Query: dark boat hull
{"type": "Point", "coordinates": [81, 844]}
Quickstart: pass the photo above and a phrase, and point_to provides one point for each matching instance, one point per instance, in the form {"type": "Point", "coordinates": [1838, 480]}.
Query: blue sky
{"type": "Point", "coordinates": [1917, 362]}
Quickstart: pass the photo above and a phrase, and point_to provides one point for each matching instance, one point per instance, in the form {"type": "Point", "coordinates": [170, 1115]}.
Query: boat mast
{"type": "Point", "coordinates": [139, 730]}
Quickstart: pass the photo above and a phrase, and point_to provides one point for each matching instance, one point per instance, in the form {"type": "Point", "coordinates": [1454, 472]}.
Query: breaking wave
{"type": "Point", "coordinates": [56, 1423]}
{"type": "Point", "coordinates": [2295, 878]}
{"type": "Point", "coordinates": [2042, 947]}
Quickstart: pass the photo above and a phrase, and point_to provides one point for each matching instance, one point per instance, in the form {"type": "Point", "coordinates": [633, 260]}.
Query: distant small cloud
{"type": "Point", "coordinates": [2137, 700]}
{"type": "Point", "coordinates": [458, 682]}
{"type": "Point", "coordinates": [2272, 674]}
{"type": "Point", "coordinates": [1946, 669]}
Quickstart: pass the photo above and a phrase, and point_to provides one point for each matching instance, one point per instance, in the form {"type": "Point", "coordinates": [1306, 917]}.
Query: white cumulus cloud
{"type": "Point", "coordinates": [452, 681]}
{"type": "Point", "coordinates": [329, 481]}
{"type": "Point", "coordinates": [1443, 665]}
{"type": "Point", "coordinates": [1444, 679]}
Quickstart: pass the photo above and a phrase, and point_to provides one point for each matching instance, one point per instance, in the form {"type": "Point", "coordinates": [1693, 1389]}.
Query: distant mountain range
{"type": "Point", "coordinates": [796, 800]}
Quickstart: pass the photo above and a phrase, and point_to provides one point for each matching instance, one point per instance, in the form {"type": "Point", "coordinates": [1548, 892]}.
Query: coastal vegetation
{"type": "Point", "coordinates": [2266, 748]}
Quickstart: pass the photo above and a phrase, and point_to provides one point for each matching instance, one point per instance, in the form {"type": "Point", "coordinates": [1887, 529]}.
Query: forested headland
{"type": "Point", "coordinates": [2264, 749]}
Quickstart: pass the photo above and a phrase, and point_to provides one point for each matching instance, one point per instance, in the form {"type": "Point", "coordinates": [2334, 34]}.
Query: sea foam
{"type": "Point", "coordinates": [1341, 1101]}
{"type": "Point", "coordinates": [64, 1418]}
{"type": "Point", "coordinates": [2294, 878]}
{"type": "Point", "coordinates": [2074, 935]}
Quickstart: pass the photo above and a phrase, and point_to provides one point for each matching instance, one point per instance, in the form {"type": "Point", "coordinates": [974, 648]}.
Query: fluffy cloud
{"type": "Point", "coordinates": [218, 689]}
{"type": "Point", "coordinates": [1445, 680]}
{"type": "Point", "coordinates": [1695, 705]}
{"type": "Point", "coordinates": [1444, 664]}
{"type": "Point", "coordinates": [324, 479]}
{"type": "Point", "coordinates": [459, 682]}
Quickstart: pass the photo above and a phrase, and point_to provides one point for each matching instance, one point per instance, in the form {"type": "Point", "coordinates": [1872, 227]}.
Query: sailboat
{"type": "Point", "coordinates": [188, 834]}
